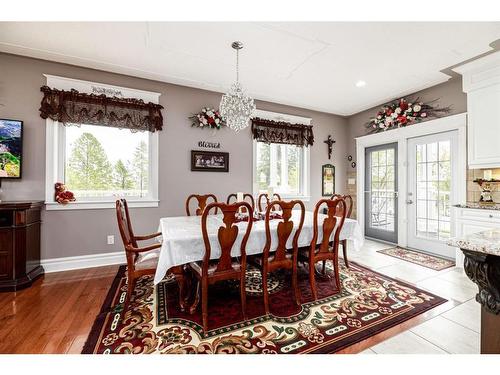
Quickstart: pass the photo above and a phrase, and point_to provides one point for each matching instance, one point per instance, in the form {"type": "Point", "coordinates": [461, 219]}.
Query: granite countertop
{"type": "Point", "coordinates": [495, 206]}
{"type": "Point", "coordinates": [487, 242]}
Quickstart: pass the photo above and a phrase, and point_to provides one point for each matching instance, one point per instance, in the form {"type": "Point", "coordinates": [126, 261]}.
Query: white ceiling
{"type": "Point", "coordinates": [311, 65]}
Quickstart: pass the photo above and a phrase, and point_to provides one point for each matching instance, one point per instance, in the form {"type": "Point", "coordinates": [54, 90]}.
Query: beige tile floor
{"type": "Point", "coordinates": [453, 331]}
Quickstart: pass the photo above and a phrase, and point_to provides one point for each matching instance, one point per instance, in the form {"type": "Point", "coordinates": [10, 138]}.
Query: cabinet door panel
{"type": "Point", "coordinates": [5, 254]}
{"type": "Point", "coordinates": [484, 127]}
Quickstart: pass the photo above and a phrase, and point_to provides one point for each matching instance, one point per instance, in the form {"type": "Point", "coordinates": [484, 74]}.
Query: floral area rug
{"type": "Point", "coordinates": [422, 259]}
{"type": "Point", "coordinates": [367, 304]}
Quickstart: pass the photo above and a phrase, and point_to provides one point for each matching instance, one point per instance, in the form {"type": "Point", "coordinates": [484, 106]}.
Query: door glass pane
{"type": "Point", "coordinates": [382, 190]}
{"type": "Point", "coordinates": [421, 227]}
{"type": "Point", "coordinates": [390, 157]}
{"type": "Point", "coordinates": [433, 187]}
{"type": "Point", "coordinates": [432, 152]}
{"type": "Point", "coordinates": [382, 157]}
{"type": "Point", "coordinates": [444, 150]}
{"type": "Point", "coordinates": [421, 208]}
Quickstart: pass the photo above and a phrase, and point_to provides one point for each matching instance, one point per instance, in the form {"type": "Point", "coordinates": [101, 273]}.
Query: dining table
{"type": "Point", "coordinates": [182, 239]}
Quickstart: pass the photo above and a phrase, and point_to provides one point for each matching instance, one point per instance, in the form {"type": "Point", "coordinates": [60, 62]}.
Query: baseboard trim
{"type": "Point", "coordinates": [83, 261]}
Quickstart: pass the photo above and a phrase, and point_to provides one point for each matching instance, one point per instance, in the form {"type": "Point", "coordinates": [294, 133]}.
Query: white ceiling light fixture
{"type": "Point", "coordinates": [235, 106]}
{"type": "Point", "coordinates": [360, 83]}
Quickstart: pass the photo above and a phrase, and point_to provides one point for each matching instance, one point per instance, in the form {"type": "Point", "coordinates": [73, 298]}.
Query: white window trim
{"type": "Point", "coordinates": [306, 159]}
{"type": "Point", "coordinates": [54, 145]}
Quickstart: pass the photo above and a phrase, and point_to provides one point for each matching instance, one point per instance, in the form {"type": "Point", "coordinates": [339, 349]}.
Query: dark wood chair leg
{"type": "Point", "coordinates": [181, 282]}
{"type": "Point", "coordinates": [312, 281]}
{"type": "Point", "coordinates": [295, 281]}
{"type": "Point", "coordinates": [344, 250]}
{"type": "Point", "coordinates": [183, 279]}
{"type": "Point", "coordinates": [204, 304]}
{"type": "Point", "coordinates": [264, 290]}
{"type": "Point", "coordinates": [130, 290]}
{"type": "Point", "coordinates": [196, 300]}
{"type": "Point", "coordinates": [243, 297]}
{"type": "Point", "coordinates": [336, 269]}
{"type": "Point", "coordinates": [323, 269]}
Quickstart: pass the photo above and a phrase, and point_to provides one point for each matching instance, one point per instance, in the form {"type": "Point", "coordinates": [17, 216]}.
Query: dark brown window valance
{"type": "Point", "coordinates": [270, 131]}
{"type": "Point", "coordinates": [73, 107]}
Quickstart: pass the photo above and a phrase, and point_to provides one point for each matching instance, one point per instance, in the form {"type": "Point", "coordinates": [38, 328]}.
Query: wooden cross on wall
{"type": "Point", "coordinates": [329, 141]}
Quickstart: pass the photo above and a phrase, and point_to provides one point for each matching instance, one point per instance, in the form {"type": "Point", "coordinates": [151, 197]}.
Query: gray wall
{"type": "Point", "coordinates": [83, 232]}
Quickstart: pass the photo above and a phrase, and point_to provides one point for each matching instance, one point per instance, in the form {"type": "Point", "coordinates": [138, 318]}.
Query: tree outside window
{"type": "Point", "coordinates": [103, 161]}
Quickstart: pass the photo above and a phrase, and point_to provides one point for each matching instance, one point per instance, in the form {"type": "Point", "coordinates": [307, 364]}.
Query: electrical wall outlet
{"type": "Point", "coordinates": [111, 240]}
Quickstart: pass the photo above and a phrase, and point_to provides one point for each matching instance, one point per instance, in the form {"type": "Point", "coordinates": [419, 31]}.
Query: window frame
{"type": "Point", "coordinates": [56, 153]}
{"type": "Point", "coordinates": [304, 182]}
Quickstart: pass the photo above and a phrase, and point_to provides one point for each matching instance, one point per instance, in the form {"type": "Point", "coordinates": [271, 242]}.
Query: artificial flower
{"type": "Point", "coordinates": [402, 120]}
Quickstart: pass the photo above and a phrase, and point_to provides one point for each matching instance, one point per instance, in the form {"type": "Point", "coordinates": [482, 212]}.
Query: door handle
{"type": "Point", "coordinates": [409, 201]}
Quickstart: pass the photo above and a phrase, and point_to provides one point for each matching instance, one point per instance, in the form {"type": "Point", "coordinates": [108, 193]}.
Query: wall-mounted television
{"type": "Point", "coordinates": [11, 148]}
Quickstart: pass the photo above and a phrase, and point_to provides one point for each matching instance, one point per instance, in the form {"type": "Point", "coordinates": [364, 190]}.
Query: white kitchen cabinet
{"type": "Point", "coordinates": [473, 220]}
{"type": "Point", "coordinates": [481, 82]}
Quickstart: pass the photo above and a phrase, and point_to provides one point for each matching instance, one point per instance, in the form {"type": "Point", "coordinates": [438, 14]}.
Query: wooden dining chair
{"type": "Point", "coordinates": [326, 249]}
{"type": "Point", "coordinates": [226, 267]}
{"type": "Point", "coordinates": [245, 196]}
{"type": "Point", "coordinates": [141, 260]}
{"type": "Point", "coordinates": [265, 197]}
{"type": "Point", "coordinates": [201, 201]}
{"type": "Point", "coordinates": [282, 257]}
{"type": "Point", "coordinates": [349, 204]}
{"type": "Point", "coordinates": [348, 201]}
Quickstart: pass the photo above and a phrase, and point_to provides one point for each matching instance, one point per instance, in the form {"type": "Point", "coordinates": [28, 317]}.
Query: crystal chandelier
{"type": "Point", "coordinates": [235, 106]}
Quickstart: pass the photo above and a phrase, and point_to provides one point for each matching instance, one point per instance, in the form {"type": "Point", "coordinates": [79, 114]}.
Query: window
{"type": "Point", "coordinates": [100, 163]}
{"type": "Point", "coordinates": [284, 168]}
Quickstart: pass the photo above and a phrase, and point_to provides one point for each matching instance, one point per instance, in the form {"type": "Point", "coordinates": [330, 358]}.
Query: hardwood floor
{"type": "Point", "coordinates": [56, 314]}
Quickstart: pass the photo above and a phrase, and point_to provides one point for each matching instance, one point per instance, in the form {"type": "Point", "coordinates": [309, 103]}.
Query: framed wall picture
{"type": "Point", "coordinates": [328, 179]}
{"type": "Point", "coordinates": [209, 161]}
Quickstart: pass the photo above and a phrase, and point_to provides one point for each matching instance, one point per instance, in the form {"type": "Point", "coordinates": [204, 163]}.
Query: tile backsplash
{"type": "Point", "coordinates": [473, 189]}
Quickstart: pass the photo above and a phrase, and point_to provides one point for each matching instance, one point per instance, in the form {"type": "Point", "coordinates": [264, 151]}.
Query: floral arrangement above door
{"type": "Point", "coordinates": [403, 112]}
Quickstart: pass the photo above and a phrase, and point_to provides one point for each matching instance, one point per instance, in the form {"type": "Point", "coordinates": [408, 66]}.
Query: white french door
{"type": "Point", "coordinates": [432, 189]}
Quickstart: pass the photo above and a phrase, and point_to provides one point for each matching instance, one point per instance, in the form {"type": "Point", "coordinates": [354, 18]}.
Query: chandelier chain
{"type": "Point", "coordinates": [237, 65]}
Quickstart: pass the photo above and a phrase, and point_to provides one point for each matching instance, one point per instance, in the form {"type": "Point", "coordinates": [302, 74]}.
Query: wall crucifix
{"type": "Point", "coordinates": [329, 141]}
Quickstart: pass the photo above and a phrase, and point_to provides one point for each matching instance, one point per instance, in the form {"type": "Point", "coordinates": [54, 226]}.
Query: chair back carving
{"type": "Point", "coordinates": [124, 223]}
{"type": "Point", "coordinates": [202, 203]}
{"type": "Point", "coordinates": [284, 229]}
{"type": "Point", "coordinates": [245, 196]}
{"type": "Point", "coordinates": [226, 235]}
{"type": "Point", "coordinates": [348, 202]}
{"type": "Point", "coordinates": [265, 197]}
{"type": "Point", "coordinates": [126, 232]}
{"type": "Point", "coordinates": [336, 214]}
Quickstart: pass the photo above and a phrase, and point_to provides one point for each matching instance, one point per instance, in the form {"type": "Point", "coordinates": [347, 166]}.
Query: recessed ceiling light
{"type": "Point", "coordinates": [360, 84]}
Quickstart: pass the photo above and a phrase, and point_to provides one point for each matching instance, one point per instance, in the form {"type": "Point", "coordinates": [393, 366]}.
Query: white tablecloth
{"type": "Point", "coordinates": [182, 240]}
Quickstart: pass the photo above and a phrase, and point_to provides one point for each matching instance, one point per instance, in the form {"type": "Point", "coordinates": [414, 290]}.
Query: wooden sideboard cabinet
{"type": "Point", "coordinates": [19, 244]}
